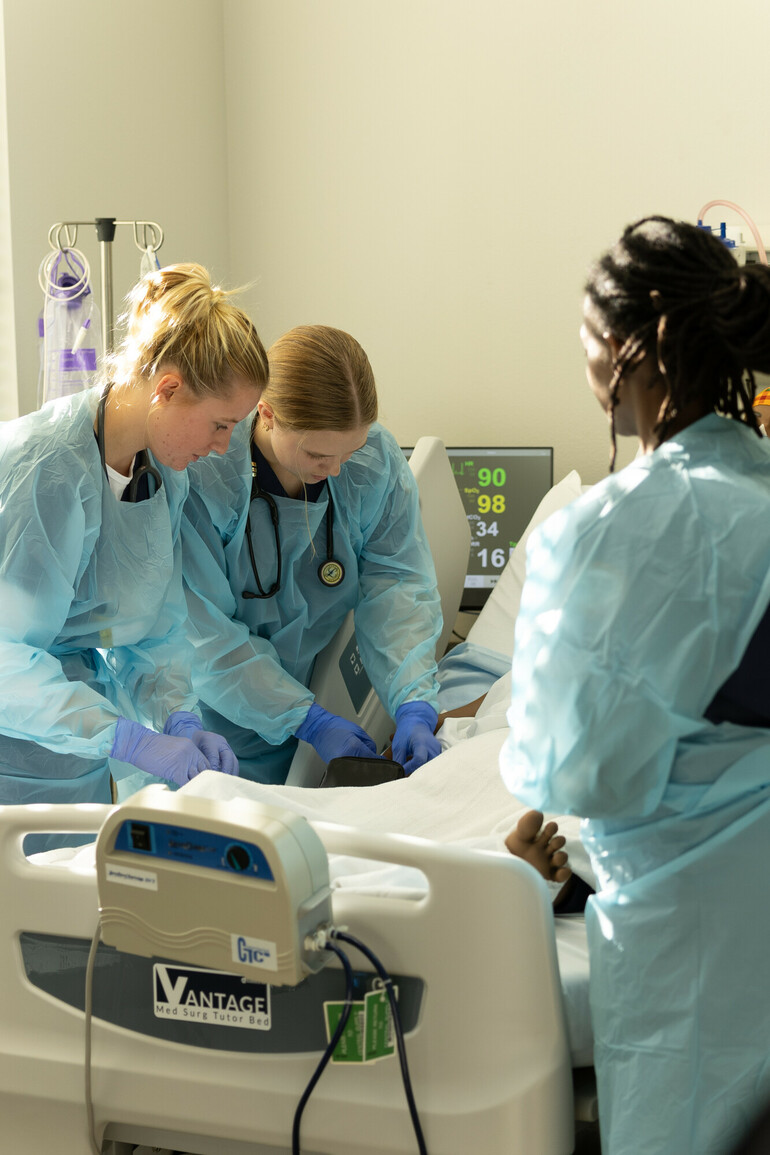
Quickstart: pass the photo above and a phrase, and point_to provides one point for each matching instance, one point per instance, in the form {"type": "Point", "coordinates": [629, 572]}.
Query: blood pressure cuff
{"type": "Point", "coordinates": [352, 771]}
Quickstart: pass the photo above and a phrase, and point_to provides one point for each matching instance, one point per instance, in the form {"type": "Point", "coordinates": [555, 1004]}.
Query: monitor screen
{"type": "Point", "coordinates": [501, 488]}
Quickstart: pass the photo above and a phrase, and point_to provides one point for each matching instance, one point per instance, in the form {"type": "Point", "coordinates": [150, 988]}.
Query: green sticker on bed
{"type": "Point", "coordinates": [368, 1034]}
{"type": "Point", "coordinates": [378, 1025]}
{"type": "Point", "coordinates": [350, 1045]}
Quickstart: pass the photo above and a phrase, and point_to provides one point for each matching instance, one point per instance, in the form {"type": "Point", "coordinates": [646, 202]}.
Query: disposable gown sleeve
{"type": "Point", "coordinates": [398, 616]}
{"type": "Point", "coordinates": [49, 523]}
{"type": "Point", "coordinates": [232, 666]}
{"type": "Point", "coordinates": [468, 672]}
{"type": "Point", "coordinates": [618, 650]}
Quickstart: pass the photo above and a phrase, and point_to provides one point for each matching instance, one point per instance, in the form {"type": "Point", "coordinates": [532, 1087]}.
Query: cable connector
{"type": "Point", "coordinates": [321, 936]}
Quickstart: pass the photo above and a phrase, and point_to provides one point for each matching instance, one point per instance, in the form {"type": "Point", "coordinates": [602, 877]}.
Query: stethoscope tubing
{"type": "Point", "coordinates": [330, 572]}
{"type": "Point", "coordinates": [145, 469]}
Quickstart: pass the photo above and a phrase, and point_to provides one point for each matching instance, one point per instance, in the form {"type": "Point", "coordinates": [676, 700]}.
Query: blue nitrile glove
{"type": "Point", "coordinates": [414, 742]}
{"type": "Point", "coordinates": [177, 759]}
{"type": "Point", "coordinates": [183, 724]}
{"type": "Point", "coordinates": [335, 737]}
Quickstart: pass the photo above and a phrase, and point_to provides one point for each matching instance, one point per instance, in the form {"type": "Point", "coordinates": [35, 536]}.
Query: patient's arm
{"type": "Point", "coordinates": [468, 711]}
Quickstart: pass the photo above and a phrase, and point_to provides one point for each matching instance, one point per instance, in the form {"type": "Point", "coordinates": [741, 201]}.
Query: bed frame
{"type": "Point", "coordinates": [474, 960]}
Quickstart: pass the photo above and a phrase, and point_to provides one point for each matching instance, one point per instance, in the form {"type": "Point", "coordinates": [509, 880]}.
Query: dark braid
{"type": "Point", "coordinates": [672, 292]}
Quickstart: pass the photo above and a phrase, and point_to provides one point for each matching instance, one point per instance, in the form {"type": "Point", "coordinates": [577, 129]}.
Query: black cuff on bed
{"type": "Point", "coordinates": [576, 898]}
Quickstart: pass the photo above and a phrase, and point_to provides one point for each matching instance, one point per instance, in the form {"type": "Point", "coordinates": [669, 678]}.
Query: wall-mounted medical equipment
{"type": "Point", "coordinates": [237, 886]}
{"type": "Point", "coordinates": [746, 244]}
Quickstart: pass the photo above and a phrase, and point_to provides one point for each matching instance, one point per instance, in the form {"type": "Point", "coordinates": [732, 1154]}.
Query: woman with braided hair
{"type": "Point", "coordinates": [641, 691]}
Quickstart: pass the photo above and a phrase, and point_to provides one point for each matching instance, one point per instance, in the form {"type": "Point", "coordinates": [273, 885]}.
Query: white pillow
{"type": "Point", "coordinates": [494, 626]}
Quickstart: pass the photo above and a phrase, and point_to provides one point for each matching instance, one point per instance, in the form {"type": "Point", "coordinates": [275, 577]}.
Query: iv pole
{"type": "Point", "coordinates": [105, 232]}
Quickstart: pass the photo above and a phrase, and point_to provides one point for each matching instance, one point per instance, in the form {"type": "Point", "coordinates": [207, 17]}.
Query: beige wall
{"type": "Point", "coordinates": [435, 175]}
{"type": "Point", "coordinates": [9, 406]}
{"type": "Point", "coordinates": [114, 109]}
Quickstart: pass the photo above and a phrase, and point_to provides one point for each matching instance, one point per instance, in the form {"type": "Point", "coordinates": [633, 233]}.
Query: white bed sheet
{"type": "Point", "coordinates": [460, 798]}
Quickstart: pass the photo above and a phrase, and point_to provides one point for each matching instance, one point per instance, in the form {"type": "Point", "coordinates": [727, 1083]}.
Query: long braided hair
{"type": "Point", "coordinates": [672, 292]}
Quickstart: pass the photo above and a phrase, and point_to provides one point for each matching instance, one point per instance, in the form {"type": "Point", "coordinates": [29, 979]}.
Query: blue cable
{"type": "Point", "coordinates": [330, 1048]}
{"type": "Point", "coordinates": [388, 984]}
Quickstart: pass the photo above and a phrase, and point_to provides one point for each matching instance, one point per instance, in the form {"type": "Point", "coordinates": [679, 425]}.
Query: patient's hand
{"type": "Point", "coordinates": [468, 711]}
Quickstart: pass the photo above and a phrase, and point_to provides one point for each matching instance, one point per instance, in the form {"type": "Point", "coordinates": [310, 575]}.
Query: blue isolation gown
{"type": "Point", "coordinates": [254, 657]}
{"type": "Point", "coordinates": [640, 603]}
{"type": "Point", "coordinates": [92, 609]}
{"type": "Point", "coordinates": [468, 672]}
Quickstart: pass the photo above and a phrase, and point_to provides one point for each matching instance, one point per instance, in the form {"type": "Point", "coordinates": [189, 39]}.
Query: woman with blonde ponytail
{"type": "Point", "coordinates": [94, 660]}
{"type": "Point", "coordinates": [311, 513]}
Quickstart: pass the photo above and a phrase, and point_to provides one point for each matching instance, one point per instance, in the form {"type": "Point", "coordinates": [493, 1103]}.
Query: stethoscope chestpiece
{"type": "Point", "coordinates": [331, 572]}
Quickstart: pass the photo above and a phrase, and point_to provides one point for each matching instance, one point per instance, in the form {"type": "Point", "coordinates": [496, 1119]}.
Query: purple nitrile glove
{"type": "Point", "coordinates": [176, 759]}
{"type": "Point", "coordinates": [414, 742]}
{"type": "Point", "coordinates": [335, 737]}
{"type": "Point", "coordinates": [183, 724]}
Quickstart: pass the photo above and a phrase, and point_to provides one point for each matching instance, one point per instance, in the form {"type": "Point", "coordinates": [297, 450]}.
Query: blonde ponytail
{"type": "Point", "coordinates": [177, 318]}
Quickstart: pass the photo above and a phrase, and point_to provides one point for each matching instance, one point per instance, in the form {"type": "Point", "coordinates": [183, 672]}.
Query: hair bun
{"type": "Point", "coordinates": [177, 317]}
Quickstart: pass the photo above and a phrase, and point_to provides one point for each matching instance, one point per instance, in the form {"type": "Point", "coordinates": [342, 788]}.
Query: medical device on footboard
{"type": "Point", "coordinates": [238, 887]}
{"type": "Point", "coordinates": [237, 892]}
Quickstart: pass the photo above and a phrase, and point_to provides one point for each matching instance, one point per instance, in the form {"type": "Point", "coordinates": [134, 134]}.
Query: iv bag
{"type": "Point", "coordinates": [69, 329]}
{"type": "Point", "coordinates": [149, 262]}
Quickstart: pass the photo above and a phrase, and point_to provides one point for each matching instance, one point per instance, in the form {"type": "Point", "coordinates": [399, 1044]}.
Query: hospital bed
{"type": "Point", "coordinates": [498, 1039]}
{"type": "Point", "coordinates": [474, 960]}
{"type": "Point", "coordinates": [339, 680]}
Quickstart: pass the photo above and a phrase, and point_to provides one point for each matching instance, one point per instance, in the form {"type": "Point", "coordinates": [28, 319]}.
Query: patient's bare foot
{"type": "Point", "coordinates": [540, 846]}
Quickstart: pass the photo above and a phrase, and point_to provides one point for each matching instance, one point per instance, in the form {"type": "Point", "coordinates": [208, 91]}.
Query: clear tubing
{"type": "Point", "coordinates": [736, 208]}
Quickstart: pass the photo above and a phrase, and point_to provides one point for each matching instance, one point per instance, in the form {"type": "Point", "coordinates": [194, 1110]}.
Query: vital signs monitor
{"type": "Point", "coordinates": [501, 487]}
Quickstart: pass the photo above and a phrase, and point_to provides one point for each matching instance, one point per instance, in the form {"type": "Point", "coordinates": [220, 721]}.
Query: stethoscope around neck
{"type": "Point", "coordinates": [141, 460]}
{"type": "Point", "coordinates": [330, 572]}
